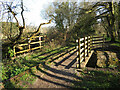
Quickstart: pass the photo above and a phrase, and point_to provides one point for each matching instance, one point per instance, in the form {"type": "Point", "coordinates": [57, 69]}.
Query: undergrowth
{"type": "Point", "coordinates": [16, 66]}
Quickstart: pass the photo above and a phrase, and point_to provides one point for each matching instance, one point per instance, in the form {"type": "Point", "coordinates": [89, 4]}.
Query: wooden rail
{"type": "Point", "coordinates": [29, 48]}
{"type": "Point", "coordinates": [85, 48]}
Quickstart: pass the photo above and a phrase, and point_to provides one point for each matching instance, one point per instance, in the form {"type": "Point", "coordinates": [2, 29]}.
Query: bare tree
{"type": "Point", "coordinates": [9, 9]}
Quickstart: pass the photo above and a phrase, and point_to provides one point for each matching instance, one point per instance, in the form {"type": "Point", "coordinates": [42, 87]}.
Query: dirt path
{"type": "Point", "coordinates": [60, 74]}
{"type": "Point", "coordinates": [59, 71]}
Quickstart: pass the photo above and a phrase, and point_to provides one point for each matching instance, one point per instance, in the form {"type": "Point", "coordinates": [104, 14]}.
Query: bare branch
{"type": "Point", "coordinates": [22, 13]}
{"type": "Point", "coordinates": [39, 29]}
{"type": "Point", "coordinates": [14, 14]}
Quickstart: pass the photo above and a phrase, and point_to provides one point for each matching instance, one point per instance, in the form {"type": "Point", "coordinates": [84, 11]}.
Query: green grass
{"type": "Point", "coordinates": [107, 38]}
{"type": "Point", "coordinates": [99, 79]}
{"type": "Point", "coordinates": [20, 82]}
{"type": "Point", "coordinates": [116, 44]}
{"type": "Point", "coordinates": [10, 67]}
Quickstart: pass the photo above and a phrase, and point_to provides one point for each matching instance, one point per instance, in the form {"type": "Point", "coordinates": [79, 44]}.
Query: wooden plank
{"type": "Point", "coordinates": [86, 51]}
{"type": "Point", "coordinates": [81, 39]}
{"type": "Point", "coordinates": [22, 44]}
{"type": "Point", "coordinates": [76, 47]}
{"type": "Point", "coordinates": [37, 36]}
{"type": "Point", "coordinates": [88, 37]}
{"type": "Point", "coordinates": [14, 51]}
{"type": "Point", "coordinates": [98, 39]}
{"type": "Point", "coordinates": [95, 43]}
{"type": "Point", "coordinates": [81, 55]}
{"type": "Point", "coordinates": [81, 50]}
{"type": "Point", "coordinates": [83, 64]}
{"type": "Point", "coordinates": [88, 48]}
{"type": "Point", "coordinates": [35, 42]}
{"type": "Point", "coordinates": [86, 42]}
{"type": "Point", "coordinates": [22, 51]}
{"type": "Point", "coordinates": [29, 45]}
{"type": "Point", "coordinates": [103, 40]}
{"type": "Point", "coordinates": [97, 36]}
{"type": "Point", "coordinates": [81, 60]}
{"type": "Point", "coordinates": [76, 40]}
{"type": "Point", "coordinates": [85, 38]}
{"type": "Point", "coordinates": [89, 51]}
{"type": "Point", "coordinates": [98, 42]}
{"type": "Point", "coordinates": [85, 46]}
{"type": "Point", "coordinates": [36, 48]}
{"type": "Point", "coordinates": [82, 44]}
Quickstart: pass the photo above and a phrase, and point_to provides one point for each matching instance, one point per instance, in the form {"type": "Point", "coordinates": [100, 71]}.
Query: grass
{"type": "Point", "coordinates": [20, 81]}
{"type": "Point", "coordinates": [116, 44]}
{"type": "Point", "coordinates": [11, 68]}
{"type": "Point", "coordinates": [98, 79]}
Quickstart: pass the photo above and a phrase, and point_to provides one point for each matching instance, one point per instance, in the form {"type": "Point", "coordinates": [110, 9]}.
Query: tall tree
{"type": "Point", "coordinates": [108, 12]}
{"type": "Point", "coordinates": [12, 10]}
{"type": "Point", "coordinates": [64, 15]}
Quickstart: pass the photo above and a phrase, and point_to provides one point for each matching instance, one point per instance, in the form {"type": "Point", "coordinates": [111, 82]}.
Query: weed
{"type": "Point", "coordinates": [10, 52]}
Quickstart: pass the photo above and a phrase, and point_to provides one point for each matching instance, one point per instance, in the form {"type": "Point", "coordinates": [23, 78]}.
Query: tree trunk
{"type": "Point", "coordinates": [118, 34]}
{"type": "Point", "coordinates": [111, 28]}
{"type": "Point", "coordinates": [112, 33]}
{"type": "Point", "coordinates": [111, 21]}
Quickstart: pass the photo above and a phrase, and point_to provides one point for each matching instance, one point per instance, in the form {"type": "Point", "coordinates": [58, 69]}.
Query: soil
{"type": "Point", "coordinates": [59, 74]}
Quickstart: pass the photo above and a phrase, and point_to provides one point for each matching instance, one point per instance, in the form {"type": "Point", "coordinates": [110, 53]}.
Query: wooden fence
{"type": "Point", "coordinates": [38, 40]}
{"type": "Point", "coordinates": [85, 48]}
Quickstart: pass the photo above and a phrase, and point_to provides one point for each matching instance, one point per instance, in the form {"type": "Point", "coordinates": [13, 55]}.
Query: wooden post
{"type": "Point", "coordinates": [29, 44]}
{"type": "Point", "coordinates": [87, 46]}
{"type": "Point", "coordinates": [14, 51]}
{"type": "Point", "coordinates": [78, 54]}
{"type": "Point", "coordinates": [103, 40]}
{"type": "Point", "coordinates": [40, 41]}
{"type": "Point", "coordinates": [92, 42]}
{"type": "Point", "coordinates": [84, 48]}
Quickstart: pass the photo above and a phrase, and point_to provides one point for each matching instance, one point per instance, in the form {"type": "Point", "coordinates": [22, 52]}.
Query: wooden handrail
{"type": "Point", "coordinates": [29, 46]}
{"type": "Point", "coordinates": [85, 45]}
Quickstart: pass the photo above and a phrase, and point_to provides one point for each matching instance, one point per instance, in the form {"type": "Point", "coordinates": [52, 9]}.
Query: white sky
{"type": "Point", "coordinates": [35, 7]}
{"type": "Point", "coordinates": [33, 16]}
